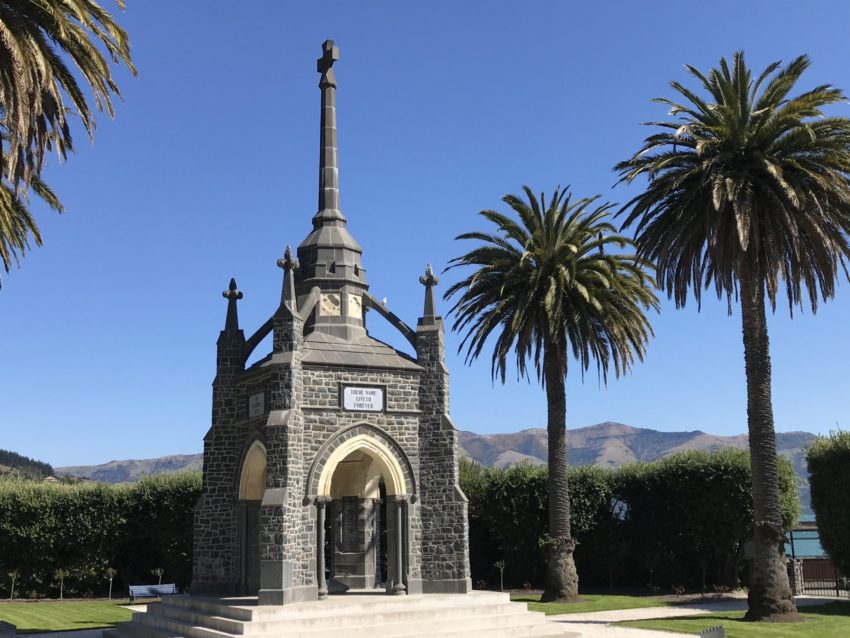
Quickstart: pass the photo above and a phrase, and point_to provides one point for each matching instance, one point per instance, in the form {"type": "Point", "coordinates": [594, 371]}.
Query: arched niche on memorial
{"type": "Point", "coordinates": [252, 482]}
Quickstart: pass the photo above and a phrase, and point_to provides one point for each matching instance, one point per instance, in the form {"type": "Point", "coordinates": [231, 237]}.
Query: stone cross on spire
{"type": "Point", "coordinates": [324, 64]}
{"type": "Point", "coordinates": [328, 168]}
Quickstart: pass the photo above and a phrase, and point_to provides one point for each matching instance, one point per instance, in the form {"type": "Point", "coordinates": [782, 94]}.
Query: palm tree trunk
{"type": "Point", "coordinates": [561, 576]}
{"type": "Point", "coordinates": [770, 595]}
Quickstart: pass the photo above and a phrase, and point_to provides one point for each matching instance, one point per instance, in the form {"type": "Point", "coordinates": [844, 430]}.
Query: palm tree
{"type": "Point", "coordinates": [38, 90]}
{"type": "Point", "coordinates": [546, 286]}
{"type": "Point", "coordinates": [748, 190]}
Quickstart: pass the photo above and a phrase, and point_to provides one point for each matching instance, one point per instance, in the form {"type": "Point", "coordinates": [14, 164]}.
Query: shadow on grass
{"type": "Point", "coordinates": [828, 609]}
{"type": "Point", "coordinates": [85, 626]}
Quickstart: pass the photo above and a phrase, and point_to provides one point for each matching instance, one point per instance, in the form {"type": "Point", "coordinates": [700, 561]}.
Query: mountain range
{"type": "Point", "coordinates": [605, 444]}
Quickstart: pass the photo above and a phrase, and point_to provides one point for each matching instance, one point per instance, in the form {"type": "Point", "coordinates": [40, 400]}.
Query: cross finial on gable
{"type": "Point", "coordinates": [289, 266]}
{"type": "Point", "coordinates": [232, 294]}
{"type": "Point", "coordinates": [429, 280]}
{"type": "Point", "coordinates": [287, 263]}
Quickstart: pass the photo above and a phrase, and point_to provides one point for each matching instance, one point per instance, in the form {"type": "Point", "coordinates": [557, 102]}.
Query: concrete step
{"type": "Point", "coordinates": [479, 614]}
{"type": "Point", "coordinates": [176, 627]}
{"type": "Point", "coordinates": [338, 606]}
{"type": "Point", "coordinates": [192, 617]}
{"type": "Point", "coordinates": [346, 620]}
{"type": "Point", "coordinates": [238, 610]}
{"type": "Point", "coordinates": [433, 624]}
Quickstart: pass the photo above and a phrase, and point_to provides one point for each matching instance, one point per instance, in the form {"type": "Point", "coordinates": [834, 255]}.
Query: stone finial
{"type": "Point", "coordinates": [429, 280]}
{"type": "Point", "coordinates": [324, 64]}
{"type": "Point", "coordinates": [232, 294]}
{"type": "Point", "coordinates": [289, 265]}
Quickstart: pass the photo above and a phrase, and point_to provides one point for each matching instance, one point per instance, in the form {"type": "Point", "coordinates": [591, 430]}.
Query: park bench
{"type": "Point", "coordinates": [151, 591]}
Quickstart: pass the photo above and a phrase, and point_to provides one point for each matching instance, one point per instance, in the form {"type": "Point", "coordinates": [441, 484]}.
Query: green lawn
{"type": "Point", "coordinates": [63, 615]}
{"type": "Point", "coordinates": [597, 602]}
{"type": "Point", "coordinates": [823, 621]}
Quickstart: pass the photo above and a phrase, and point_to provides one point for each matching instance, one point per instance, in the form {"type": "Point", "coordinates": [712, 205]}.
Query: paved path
{"type": "Point", "coordinates": [597, 624]}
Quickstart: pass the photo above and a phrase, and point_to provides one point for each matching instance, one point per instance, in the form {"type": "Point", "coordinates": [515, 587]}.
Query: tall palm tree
{"type": "Point", "coordinates": [546, 286]}
{"type": "Point", "coordinates": [748, 190]}
{"type": "Point", "coordinates": [38, 92]}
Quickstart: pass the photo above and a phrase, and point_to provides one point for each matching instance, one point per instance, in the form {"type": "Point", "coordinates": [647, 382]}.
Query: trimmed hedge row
{"type": "Point", "coordinates": [683, 520]}
{"type": "Point", "coordinates": [84, 529]}
{"type": "Point", "coordinates": [828, 459]}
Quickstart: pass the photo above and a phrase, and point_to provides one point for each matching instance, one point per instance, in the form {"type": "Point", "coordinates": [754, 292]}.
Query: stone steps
{"type": "Point", "coordinates": [471, 615]}
{"type": "Point", "coordinates": [321, 618]}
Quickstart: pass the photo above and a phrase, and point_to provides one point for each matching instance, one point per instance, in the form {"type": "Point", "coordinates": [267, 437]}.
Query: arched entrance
{"type": "Point", "coordinates": [252, 484]}
{"type": "Point", "coordinates": [362, 484]}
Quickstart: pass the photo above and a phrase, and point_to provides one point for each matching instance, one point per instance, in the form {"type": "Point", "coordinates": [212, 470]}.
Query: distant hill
{"type": "Point", "coordinates": [613, 444]}
{"type": "Point", "coordinates": [605, 444]}
{"type": "Point", "coordinates": [14, 465]}
{"type": "Point", "coordinates": [132, 470]}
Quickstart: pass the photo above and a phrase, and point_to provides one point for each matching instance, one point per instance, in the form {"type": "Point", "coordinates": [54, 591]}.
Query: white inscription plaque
{"type": "Point", "coordinates": [363, 399]}
{"type": "Point", "coordinates": [256, 404]}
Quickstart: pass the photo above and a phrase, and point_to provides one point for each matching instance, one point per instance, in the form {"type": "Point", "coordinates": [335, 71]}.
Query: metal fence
{"type": "Point", "coordinates": [820, 578]}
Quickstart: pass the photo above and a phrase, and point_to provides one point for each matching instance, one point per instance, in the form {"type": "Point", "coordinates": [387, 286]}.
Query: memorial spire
{"type": "Point", "coordinates": [330, 258]}
{"type": "Point", "coordinates": [328, 168]}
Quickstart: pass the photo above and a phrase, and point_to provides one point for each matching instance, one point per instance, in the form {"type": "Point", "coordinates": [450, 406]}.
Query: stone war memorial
{"type": "Point", "coordinates": [332, 437]}
{"type": "Point", "coordinates": [331, 466]}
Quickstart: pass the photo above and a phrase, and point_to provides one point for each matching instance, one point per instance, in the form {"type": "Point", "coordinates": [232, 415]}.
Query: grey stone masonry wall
{"type": "Point", "coordinates": [323, 419]}
{"type": "Point", "coordinates": [445, 533]}
{"type": "Point", "coordinates": [283, 534]}
{"type": "Point", "coordinates": [215, 562]}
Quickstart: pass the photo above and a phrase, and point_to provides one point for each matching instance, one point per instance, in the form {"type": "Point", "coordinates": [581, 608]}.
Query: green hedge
{"type": "Point", "coordinates": [84, 529]}
{"type": "Point", "coordinates": [682, 520]}
{"type": "Point", "coordinates": [679, 521]}
{"type": "Point", "coordinates": [828, 459]}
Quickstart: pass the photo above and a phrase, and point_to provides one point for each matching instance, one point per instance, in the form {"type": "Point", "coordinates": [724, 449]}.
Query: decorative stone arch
{"type": "Point", "coordinates": [252, 474]}
{"type": "Point", "coordinates": [384, 450]}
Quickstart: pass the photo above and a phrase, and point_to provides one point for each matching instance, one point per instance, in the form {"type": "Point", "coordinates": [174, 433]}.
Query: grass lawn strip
{"type": "Point", "coordinates": [823, 621]}
{"type": "Point", "coordinates": [33, 617]}
{"type": "Point", "coordinates": [598, 602]}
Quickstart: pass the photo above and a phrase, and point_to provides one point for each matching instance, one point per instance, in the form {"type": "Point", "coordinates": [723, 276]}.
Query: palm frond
{"type": "Point", "coordinates": [764, 179]}
{"type": "Point", "coordinates": [546, 281]}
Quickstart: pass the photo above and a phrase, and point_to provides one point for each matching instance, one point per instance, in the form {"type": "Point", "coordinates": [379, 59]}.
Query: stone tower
{"type": "Point", "coordinates": [331, 463]}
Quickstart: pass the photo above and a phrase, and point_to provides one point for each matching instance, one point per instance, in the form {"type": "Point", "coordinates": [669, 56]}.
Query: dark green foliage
{"type": "Point", "coordinates": [85, 529]}
{"type": "Point", "coordinates": [508, 514]}
{"type": "Point", "coordinates": [23, 466]}
{"type": "Point", "coordinates": [829, 466]}
{"type": "Point", "coordinates": [685, 518]}
{"type": "Point", "coordinates": [161, 506]}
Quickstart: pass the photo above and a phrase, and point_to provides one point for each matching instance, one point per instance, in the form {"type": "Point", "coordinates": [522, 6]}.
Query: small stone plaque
{"type": "Point", "coordinates": [256, 404]}
{"type": "Point", "coordinates": [363, 399]}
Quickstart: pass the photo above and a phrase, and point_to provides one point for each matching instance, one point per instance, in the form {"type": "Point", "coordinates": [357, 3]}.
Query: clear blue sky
{"type": "Point", "coordinates": [209, 170]}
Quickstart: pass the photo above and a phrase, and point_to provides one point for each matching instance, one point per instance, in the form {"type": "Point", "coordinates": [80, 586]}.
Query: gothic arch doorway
{"type": "Point", "coordinates": [362, 489]}
{"type": "Point", "coordinates": [252, 484]}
